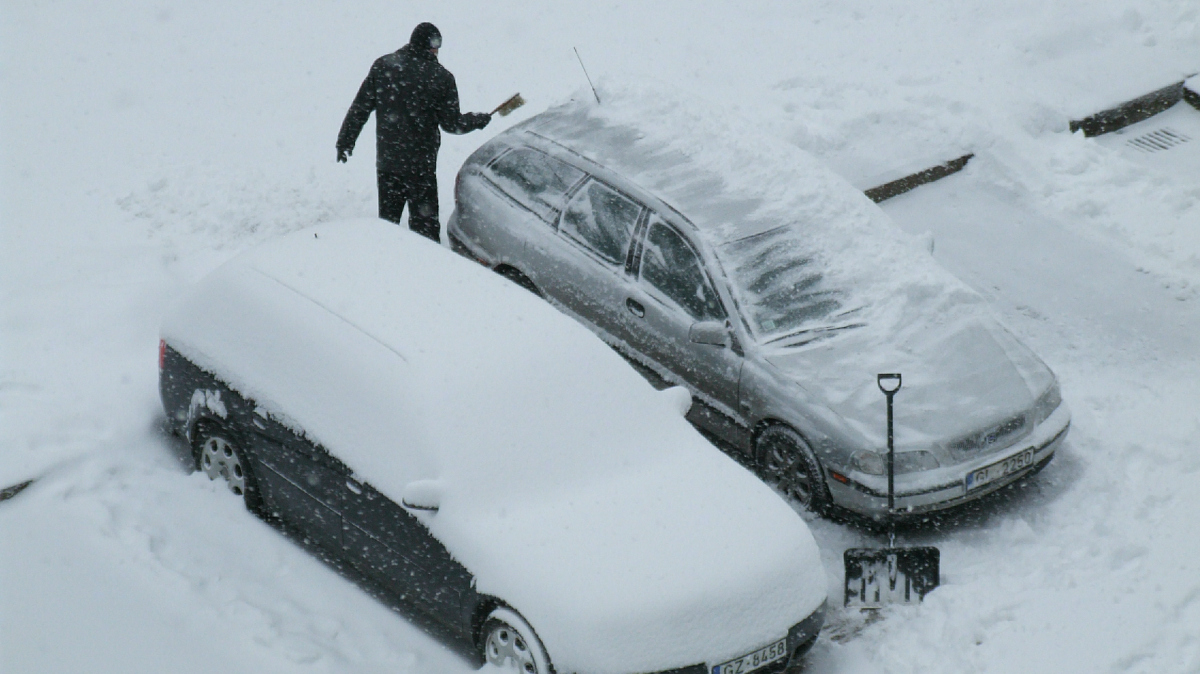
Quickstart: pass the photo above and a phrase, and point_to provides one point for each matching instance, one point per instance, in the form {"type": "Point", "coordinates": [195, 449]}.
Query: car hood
{"type": "Point", "coordinates": [682, 561]}
{"type": "Point", "coordinates": [960, 375]}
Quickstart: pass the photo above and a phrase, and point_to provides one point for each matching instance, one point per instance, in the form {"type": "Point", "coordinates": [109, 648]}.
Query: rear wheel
{"type": "Point", "coordinates": [509, 641]}
{"type": "Point", "coordinates": [219, 455]}
{"type": "Point", "coordinates": [788, 465]}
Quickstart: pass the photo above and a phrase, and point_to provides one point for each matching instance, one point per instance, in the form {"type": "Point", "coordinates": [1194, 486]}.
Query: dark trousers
{"type": "Point", "coordinates": [421, 195]}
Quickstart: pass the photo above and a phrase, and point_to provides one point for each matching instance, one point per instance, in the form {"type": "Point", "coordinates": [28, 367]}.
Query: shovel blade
{"type": "Point", "coordinates": [876, 577]}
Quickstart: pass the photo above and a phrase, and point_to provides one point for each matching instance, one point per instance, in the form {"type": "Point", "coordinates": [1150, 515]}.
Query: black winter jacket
{"type": "Point", "coordinates": [411, 95]}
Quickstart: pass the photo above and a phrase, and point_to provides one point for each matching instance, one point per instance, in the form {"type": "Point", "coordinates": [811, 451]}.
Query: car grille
{"type": "Point", "coordinates": [1001, 434]}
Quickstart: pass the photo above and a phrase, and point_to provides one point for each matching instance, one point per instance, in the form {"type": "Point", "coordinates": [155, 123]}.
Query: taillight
{"type": "Point", "coordinates": [162, 354]}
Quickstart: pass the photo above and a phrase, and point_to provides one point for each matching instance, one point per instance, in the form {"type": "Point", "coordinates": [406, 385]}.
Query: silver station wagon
{"type": "Point", "coordinates": [774, 292]}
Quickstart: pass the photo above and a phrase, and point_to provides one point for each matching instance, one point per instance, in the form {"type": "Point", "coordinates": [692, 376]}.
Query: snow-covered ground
{"type": "Point", "coordinates": [145, 142]}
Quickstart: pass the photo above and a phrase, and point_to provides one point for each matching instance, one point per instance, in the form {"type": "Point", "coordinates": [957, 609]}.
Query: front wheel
{"type": "Point", "coordinates": [788, 465]}
{"type": "Point", "coordinates": [509, 641]}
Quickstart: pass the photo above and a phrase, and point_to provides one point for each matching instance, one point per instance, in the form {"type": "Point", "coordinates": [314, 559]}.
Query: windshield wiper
{"type": "Point", "coordinates": [823, 330]}
{"type": "Point", "coordinates": [813, 334]}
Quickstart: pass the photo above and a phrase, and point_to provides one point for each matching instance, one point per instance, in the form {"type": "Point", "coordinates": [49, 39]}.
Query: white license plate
{"type": "Point", "coordinates": [752, 661]}
{"type": "Point", "coordinates": [978, 478]}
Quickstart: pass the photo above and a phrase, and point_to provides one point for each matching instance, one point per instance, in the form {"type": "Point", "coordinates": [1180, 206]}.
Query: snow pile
{"type": "Point", "coordinates": [888, 90]}
{"type": "Point", "coordinates": [567, 480]}
{"type": "Point", "coordinates": [180, 560]}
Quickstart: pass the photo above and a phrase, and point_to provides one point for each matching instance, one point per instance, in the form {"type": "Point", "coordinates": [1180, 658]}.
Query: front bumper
{"type": "Point", "coordinates": [951, 491]}
{"type": "Point", "coordinates": [800, 639]}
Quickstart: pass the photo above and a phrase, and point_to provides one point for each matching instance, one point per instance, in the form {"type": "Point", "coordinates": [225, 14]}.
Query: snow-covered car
{"type": "Point", "coordinates": [483, 459]}
{"type": "Point", "coordinates": [739, 267]}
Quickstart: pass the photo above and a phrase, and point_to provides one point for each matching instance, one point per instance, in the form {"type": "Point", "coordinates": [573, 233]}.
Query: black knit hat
{"type": "Point", "coordinates": [426, 36]}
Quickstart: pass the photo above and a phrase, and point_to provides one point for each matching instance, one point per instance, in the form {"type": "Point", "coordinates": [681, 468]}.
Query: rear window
{"type": "Point", "coordinates": [534, 179]}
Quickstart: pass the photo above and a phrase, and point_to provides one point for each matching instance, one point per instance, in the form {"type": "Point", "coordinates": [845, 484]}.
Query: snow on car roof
{"type": "Point", "coordinates": [448, 336]}
{"type": "Point", "coordinates": [733, 181]}
{"type": "Point", "coordinates": [729, 179]}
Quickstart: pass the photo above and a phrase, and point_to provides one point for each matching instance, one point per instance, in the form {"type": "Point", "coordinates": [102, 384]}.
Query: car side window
{"type": "Point", "coordinates": [601, 219]}
{"type": "Point", "coordinates": [534, 179]}
{"type": "Point", "coordinates": [671, 266]}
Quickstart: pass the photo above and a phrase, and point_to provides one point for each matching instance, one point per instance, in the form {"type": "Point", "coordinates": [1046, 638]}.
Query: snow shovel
{"type": "Point", "coordinates": [879, 576]}
{"type": "Point", "coordinates": [508, 106]}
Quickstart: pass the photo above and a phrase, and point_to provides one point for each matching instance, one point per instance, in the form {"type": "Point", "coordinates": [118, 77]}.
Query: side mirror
{"type": "Point", "coordinates": [422, 495]}
{"type": "Point", "coordinates": [709, 332]}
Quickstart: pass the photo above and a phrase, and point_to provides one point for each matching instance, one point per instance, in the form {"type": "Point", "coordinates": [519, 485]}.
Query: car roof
{"type": "Point", "coordinates": [733, 181]}
{"type": "Point", "coordinates": [728, 184]}
{"type": "Point", "coordinates": [374, 341]}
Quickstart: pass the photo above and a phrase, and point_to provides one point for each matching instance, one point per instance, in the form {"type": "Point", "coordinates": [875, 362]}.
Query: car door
{"type": "Point", "coordinates": [673, 291]}
{"type": "Point", "coordinates": [302, 483]}
{"type": "Point", "coordinates": [393, 546]}
{"type": "Point", "coordinates": [584, 269]}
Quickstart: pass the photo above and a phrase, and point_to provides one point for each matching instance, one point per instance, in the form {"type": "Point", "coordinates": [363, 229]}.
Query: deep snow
{"type": "Point", "coordinates": [145, 142]}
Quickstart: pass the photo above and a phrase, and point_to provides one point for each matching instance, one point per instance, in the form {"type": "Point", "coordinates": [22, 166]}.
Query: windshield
{"type": "Point", "coordinates": [780, 285]}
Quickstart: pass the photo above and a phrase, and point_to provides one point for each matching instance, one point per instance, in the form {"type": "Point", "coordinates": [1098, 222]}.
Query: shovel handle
{"type": "Point", "coordinates": [889, 383]}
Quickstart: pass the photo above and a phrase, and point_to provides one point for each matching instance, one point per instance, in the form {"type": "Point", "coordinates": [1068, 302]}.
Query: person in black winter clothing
{"type": "Point", "coordinates": [411, 95]}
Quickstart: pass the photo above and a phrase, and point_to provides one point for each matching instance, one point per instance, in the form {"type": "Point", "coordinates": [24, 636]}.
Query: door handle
{"type": "Point", "coordinates": [354, 487]}
{"type": "Point", "coordinates": [635, 307]}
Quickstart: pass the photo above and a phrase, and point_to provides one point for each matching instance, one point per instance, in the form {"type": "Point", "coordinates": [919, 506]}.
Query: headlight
{"type": "Point", "coordinates": [914, 462]}
{"type": "Point", "coordinates": [866, 461]}
{"type": "Point", "coordinates": [1047, 403]}
{"type": "Point", "coordinates": [874, 463]}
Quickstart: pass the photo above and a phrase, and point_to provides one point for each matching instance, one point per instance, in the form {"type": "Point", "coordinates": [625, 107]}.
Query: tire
{"type": "Point", "coordinates": [219, 454]}
{"type": "Point", "coordinates": [787, 463]}
{"type": "Point", "coordinates": [514, 275]}
{"type": "Point", "coordinates": [506, 636]}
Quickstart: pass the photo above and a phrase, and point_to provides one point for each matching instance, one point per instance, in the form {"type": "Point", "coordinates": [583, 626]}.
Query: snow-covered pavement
{"type": "Point", "coordinates": [1092, 567]}
{"type": "Point", "coordinates": [121, 560]}
{"type": "Point", "coordinates": [142, 143]}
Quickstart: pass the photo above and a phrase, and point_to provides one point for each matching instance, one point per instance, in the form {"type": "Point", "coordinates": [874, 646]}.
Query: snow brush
{"type": "Point", "coordinates": [891, 575]}
{"type": "Point", "coordinates": [508, 106]}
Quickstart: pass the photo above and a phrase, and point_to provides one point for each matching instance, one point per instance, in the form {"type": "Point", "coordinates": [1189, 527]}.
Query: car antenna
{"type": "Point", "coordinates": [585, 74]}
